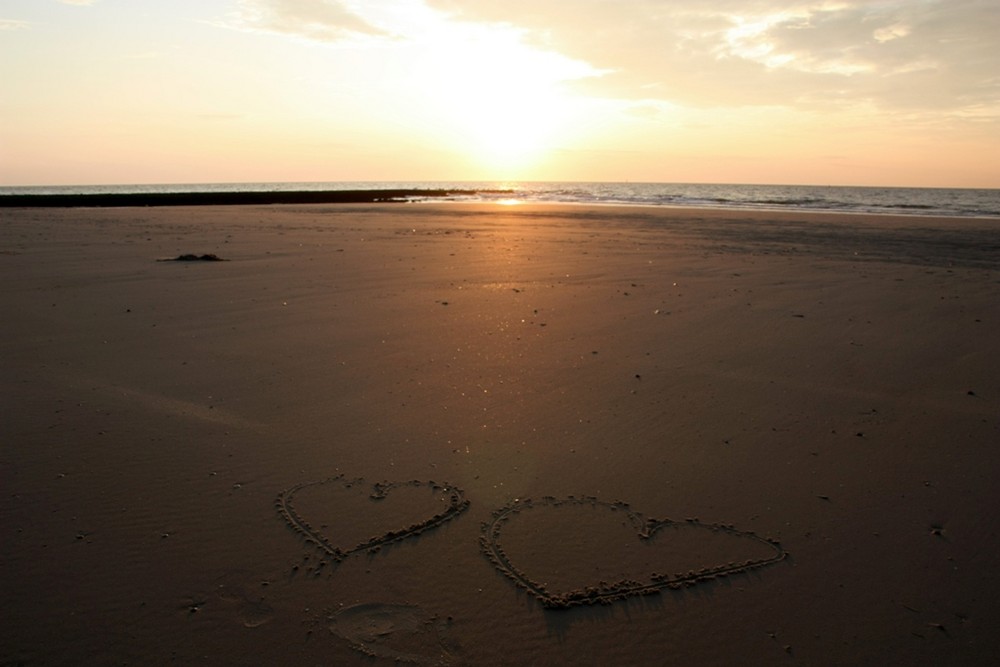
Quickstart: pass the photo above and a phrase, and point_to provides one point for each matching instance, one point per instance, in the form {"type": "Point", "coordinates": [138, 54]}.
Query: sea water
{"type": "Point", "coordinates": [871, 200]}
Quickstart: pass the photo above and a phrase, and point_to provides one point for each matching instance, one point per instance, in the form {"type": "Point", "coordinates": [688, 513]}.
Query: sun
{"type": "Point", "coordinates": [505, 103]}
{"type": "Point", "coordinates": [509, 125]}
{"type": "Point", "coordinates": [481, 93]}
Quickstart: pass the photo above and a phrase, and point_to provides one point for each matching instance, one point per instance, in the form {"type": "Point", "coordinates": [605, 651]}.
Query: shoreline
{"type": "Point", "coordinates": [447, 194]}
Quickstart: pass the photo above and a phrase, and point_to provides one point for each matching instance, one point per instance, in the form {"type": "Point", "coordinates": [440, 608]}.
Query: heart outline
{"type": "Point", "coordinates": [605, 593]}
{"type": "Point", "coordinates": [457, 503]}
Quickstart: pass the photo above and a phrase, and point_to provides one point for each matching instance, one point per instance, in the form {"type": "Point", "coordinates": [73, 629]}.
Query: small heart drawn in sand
{"type": "Point", "coordinates": [577, 551]}
{"type": "Point", "coordinates": [342, 516]}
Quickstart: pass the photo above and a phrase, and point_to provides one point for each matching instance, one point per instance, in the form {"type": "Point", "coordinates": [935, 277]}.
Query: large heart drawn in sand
{"type": "Point", "coordinates": [344, 516]}
{"type": "Point", "coordinates": [576, 551]}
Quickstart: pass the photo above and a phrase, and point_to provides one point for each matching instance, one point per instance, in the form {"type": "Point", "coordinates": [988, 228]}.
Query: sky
{"type": "Point", "coordinates": [827, 92]}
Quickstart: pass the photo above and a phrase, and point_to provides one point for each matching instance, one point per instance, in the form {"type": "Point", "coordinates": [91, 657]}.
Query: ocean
{"type": "Point", "coordinates": [845, 199]}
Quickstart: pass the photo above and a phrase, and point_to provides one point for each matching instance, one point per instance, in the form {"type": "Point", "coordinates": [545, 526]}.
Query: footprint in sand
{"type": "Point", "coordinates": [398, 632]}
{"type": "Point", "coordinates": [252, 610]}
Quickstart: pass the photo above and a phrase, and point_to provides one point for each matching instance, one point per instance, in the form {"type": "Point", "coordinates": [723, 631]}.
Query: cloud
{"type": "Point", "coordinates": [13, 24]}
{"type": "Point", "coordinates": [895, 54]}
{"type": "Point", "coordinates": [82, 3]}
{"type": "Point", "coordinates": [321, 20]}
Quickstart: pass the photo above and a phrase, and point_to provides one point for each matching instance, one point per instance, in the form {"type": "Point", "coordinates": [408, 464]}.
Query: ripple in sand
{"type": "Point", "coordinates": [578, 551]}
{"type": "Point", "coordinates": [399, 632]}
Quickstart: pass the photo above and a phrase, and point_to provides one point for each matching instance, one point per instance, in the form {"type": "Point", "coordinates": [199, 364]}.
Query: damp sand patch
{"type": "Point", "coordinates": [343, 516]}
{"type": "Point", "coordinates": [576, 551]}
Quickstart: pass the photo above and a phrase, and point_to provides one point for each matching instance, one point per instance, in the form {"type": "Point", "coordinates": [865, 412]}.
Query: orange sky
{"type": "Point", "coordinates": [877, 92]}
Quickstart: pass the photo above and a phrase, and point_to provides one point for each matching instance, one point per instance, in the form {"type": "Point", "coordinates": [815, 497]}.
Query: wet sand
{"type": "Point", "coordinates": [728, 437]}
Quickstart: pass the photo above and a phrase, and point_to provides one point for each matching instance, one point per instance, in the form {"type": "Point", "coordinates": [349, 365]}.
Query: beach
{"type": "Point", "coordinates": [410, 433]}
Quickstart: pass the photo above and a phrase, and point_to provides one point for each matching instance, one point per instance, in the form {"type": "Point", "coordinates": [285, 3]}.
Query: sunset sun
{"type": "Point", "coordinates": [504, 103]}
{"type": "Point", "coordinates": [509, 127]}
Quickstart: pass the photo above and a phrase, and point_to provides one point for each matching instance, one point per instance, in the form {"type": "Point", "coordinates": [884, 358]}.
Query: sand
{"type": "Point", "coordinates": [643, 395]}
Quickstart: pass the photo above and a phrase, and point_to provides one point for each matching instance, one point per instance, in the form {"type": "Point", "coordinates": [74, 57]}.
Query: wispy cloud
{"type": "Point", "coordinates": [13, 24]}
{"type": "Point", "coordinates": [322, 20]}
{"type": "Point", "coordinates": [936, 54]}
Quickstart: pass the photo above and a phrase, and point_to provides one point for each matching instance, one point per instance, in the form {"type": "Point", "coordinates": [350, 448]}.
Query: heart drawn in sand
{"type": "Point", "coordinates": [576, 551]}
{"type": "Point", "coordinates": [342, 517]}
